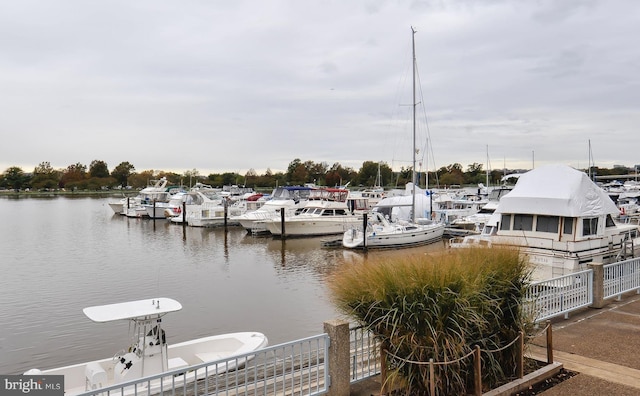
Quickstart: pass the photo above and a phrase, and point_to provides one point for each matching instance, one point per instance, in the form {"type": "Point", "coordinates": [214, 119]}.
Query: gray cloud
{"type": "Point", "coordinates": [229, 86]}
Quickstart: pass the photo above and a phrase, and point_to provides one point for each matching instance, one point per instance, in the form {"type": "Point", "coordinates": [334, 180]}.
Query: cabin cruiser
{"type": "Point", "coordinates": [560, 220]}
{"type": "Point", "coordinates": [325, 213]}
{"type": "Point", "coordinates": [287, 198]}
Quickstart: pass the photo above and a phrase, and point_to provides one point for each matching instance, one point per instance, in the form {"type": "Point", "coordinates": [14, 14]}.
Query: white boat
{"type": "Point", "coordinates": [149, 196]}
{"type": "Point", "coordinates": [448, 208]}
{"type": "Point", "coordinates": [382, 233]}
{"type": "Point", "coordinates": [164, 210]}
{"type": "Point", "coordinates": [475, 223]}
{"type": "Point", "coordinates": [325, 213]}
{"type": "Point", "coordinates": [149, 354]}
{"type": "Point", "coordinates": [560, 220]}
{"type": "Point", "coordinates": [289, 198]}
{"type": "Point", "coordinates": [203, 207]}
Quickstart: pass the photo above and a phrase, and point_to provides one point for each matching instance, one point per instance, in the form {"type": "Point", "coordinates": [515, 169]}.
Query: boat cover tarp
{"type": "Point", "coordinates": [132, 309]}
{"type": "Point", "coordinates": [557, 190]}
{"type": "Point", "coordinates": [401, 204]}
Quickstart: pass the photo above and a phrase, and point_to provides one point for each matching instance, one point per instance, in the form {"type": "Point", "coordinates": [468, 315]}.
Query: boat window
{"type": "Point", "coordinates": [522, 222]}
{"type": "Point", "coordinates": [590, 226]}
{"type": "Point", "coordinates": [340, 212]}
{"type": "Point", "coordinates": [610, 222]}
{"type": "Point", "coordinates": [547, 224]}
{"type": "Point", "coordinates": [327, 212]}
{"type": "Point", "coordinates": [568, 226]}
{"type": "Point", "coordinates": [505, 222]}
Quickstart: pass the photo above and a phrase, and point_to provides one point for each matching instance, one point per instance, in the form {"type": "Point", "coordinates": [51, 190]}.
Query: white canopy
{"type": "Point", "coordinates": [132, 309]}
{"type": "Point", "coordinates": [557, 190]}
{"type": "Point", "coordinates": [401, 204]}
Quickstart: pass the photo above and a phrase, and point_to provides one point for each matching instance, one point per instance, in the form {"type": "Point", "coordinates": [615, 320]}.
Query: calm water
{"type": "Point", "coordinates": [60, 255]}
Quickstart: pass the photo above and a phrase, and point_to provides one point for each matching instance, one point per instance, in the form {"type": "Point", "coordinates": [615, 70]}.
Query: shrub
{"type": "Point", "coordinates": [439, 306]}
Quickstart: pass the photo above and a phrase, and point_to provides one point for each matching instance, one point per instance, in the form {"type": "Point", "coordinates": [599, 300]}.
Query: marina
{"type": "Point", "coordinates": [63, 254]}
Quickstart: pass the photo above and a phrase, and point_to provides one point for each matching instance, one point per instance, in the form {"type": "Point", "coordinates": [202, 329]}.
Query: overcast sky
{"type": "Point", "coordinates": [222, 86]}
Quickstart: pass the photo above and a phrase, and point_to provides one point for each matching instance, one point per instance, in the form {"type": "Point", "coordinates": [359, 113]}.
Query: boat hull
{"type": "Point", "coordinates": [394, 237]}
{"type": "Point", "coordinates": [312, 226]}
{"type": "Point", "coordinates": [181, 355]}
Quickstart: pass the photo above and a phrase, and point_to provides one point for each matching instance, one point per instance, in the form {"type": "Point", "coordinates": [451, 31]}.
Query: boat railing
{"type": "Point", "coordinates": [298, 367]}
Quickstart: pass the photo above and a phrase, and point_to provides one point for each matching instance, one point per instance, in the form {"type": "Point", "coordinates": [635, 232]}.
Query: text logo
{"type": "Point", "coordinates": [32, 385]}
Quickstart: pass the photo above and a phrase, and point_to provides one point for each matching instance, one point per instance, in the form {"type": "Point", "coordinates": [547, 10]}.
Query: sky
{"type": "Point", "coordinates": [228, 86]}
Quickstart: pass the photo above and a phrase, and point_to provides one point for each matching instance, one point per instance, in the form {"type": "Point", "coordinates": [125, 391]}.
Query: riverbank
{"type": "Point", "coordinates": [60, 193]}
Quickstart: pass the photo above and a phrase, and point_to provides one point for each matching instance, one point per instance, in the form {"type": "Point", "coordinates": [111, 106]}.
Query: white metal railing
{"type": "Point", "coordinates": [364, 354]}
{"type": "Point", "coordinates": [621, 277]}
{"type": "Point", "coordinates": [557, 296]}
{"type": "Point", "coordinates": [297, 367]}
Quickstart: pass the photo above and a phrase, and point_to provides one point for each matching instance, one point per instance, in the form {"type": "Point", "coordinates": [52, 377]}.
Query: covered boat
{"type": "Point", "coordinates": [561, 220]}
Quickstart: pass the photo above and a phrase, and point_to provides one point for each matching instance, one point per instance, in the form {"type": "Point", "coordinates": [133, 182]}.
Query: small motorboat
{"type": "Point", "coordinates": [148, 354]}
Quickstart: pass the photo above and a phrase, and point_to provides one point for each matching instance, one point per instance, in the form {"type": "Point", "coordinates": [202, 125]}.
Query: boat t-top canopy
{"type": "Point", "coordinates": [132, 309]}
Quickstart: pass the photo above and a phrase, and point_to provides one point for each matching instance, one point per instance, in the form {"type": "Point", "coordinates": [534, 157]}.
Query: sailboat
{"type": "Point", "coordinates": [380, 232]}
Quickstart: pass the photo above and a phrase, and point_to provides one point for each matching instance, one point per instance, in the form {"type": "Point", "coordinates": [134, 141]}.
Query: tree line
{"type": "Point", "coordinates": [97, 176]}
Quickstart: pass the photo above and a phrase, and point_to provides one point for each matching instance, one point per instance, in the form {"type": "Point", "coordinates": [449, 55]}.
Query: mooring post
{"type": "Point", "coordinates": [364, 231]}
{"type": "Point", "coordinates": [226, 205]}
{"type": "Point", "coordinates": [282, 233]}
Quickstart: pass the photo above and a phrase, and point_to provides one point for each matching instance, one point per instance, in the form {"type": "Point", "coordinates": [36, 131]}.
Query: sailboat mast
{"type": "Point", "coordinates": [413, 168]}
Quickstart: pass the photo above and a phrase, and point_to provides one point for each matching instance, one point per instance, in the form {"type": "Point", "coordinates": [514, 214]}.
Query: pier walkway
{"type": "Point", "coordinates": [602, 345]}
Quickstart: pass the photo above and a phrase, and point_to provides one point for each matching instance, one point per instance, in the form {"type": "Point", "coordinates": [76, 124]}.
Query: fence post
{"type": "Point", "coordinates": [598, 284]}
{"type": "Point", "coordinates": [520, 355]}
{"type": "Point", "coordinates": [383, 367]}
{"type": "Point", "coordinates": [339, 346]}
{"type": "Point", "coordinates": [432, 379]}
{"type": "Point", "coordinates": [549, 343]}
{"type": "Point", "coordinates": [477, 374]}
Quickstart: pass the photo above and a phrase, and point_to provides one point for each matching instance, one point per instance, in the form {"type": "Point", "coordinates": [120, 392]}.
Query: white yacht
{"type": "Point", "coordinates": [287, 198]}
{"type": "Point", "coordinates": [560, 220]}
{"type": "Point", "coordinates": [325, 213]}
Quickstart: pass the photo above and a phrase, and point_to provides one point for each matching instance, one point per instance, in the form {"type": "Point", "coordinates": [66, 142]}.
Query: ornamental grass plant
{"type": "Point", "coordinates": [439, 307]}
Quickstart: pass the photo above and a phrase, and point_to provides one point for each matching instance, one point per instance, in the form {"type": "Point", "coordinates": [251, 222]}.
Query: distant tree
{"type": "Point", "coordinates": [316, 171]}
{"type": "Point", "coordinates": [300, 175]}
{"type": "Point", "coordinates": [98, 168]}
{"type": "Point", "coordinates": [45, 177]}
{"type": "Point", "coordinates": [73, 176]}
{"type": "Point", "coordinates": [294, 167]}
{"type": "Point", "coordinates": [250, 177]}
{"type": "Point", "coordinates": [15, 178]}
{"type": "Point", "coordinates": [474, 174]}
{"type": "Point", "coordinates": [122, 172]}
{"type": "Point", "coordinates": [368, 173]}
{"type": "Point", "coordinates": [452, 174]}
{"type": "Point", "coordinates": [142, 179]}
